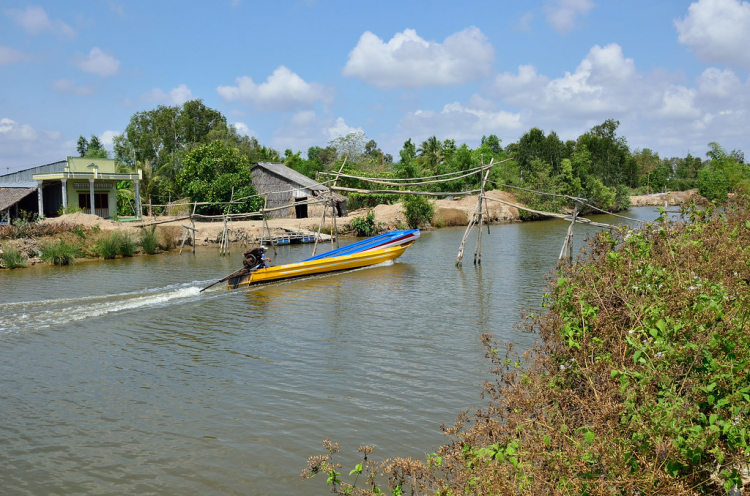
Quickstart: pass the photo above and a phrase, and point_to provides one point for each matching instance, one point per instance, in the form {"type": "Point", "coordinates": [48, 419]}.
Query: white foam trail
{"type": "Point", "coordinates": [28, 316]}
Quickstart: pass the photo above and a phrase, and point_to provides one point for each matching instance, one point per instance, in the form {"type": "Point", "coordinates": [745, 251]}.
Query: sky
{"type": "Point", "coordinates": [296, 74]}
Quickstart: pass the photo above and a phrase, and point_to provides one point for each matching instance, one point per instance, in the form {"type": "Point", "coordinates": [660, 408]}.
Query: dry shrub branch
{"type": "Point", "coordinates": [639, 382]}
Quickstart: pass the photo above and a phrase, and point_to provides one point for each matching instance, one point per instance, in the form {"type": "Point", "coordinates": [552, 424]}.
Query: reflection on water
{"type": "Point", "coordinates": [121, 377]}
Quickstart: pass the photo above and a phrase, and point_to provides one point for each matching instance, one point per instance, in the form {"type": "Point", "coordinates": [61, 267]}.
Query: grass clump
{"type": "Point", "coordinates": [12, 258]}
{"type": "Point", "coordinates": [116, 243]}
{"type": "Point", "coordinates": [449, 217]}
{"type": "Point", "coordinates": [128, 246]}
{"type": "Point", "coordinates": [60, 252]}
{"type": "Point", "coordinates": [149, 240]}
{"type": "Point", "coordinates": [639, 384]}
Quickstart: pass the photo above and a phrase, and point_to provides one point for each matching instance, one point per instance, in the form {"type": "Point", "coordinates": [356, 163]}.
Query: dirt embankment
{"type": "Point", "coordinates": [671, 198]}
{"type": "Point", "coordinates": [387, 216]}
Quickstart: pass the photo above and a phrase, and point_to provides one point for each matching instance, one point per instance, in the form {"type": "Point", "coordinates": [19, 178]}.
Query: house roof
{"type": "Point", "coordinates": [291, 175]}
{"type": "Point", "coordinates": [11, 196]}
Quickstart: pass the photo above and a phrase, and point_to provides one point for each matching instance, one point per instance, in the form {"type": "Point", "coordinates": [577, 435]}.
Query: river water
{"type": "Point", "coordinates": [120, 377]}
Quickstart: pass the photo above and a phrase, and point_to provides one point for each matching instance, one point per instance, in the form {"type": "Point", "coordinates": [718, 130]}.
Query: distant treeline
{"type": "Point", "coordinates": [190, 151]}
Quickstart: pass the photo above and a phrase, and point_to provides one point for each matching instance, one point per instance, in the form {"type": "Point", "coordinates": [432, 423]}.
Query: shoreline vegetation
{"type": "Point", "coordinates": [70, 237]}
{"type": "Point", "coordinates": [639, 382]}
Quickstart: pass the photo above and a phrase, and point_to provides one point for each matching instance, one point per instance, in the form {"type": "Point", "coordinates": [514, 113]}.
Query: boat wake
{"type": "Point", "coordinates": [31, 315]}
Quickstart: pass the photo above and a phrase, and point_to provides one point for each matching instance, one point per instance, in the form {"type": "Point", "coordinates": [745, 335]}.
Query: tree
{"type": "Point", "coordinates": [351, 146]}
{"type": "Point", "coordinates": [211, 172]}
{"type": "Point", "coordinates": [493, 143]}
{"type": "Point", "coordinates": [648, 162]}
{"type": "Point", "coordinates": [82, 146]}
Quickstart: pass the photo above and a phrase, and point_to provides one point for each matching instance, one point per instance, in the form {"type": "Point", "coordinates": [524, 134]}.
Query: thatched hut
{"type": "Point", "coordinates": [285, 187]}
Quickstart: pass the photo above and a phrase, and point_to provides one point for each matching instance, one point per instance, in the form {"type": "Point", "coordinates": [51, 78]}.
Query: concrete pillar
{"type": "Point", "coordinates": [137, 199]}
{"type": "Point", "coordinates": [40, 196]}
{"type": "Point", "coordinates": [65, 192]}
{"type": "Point", "coordinates": [91, 192]}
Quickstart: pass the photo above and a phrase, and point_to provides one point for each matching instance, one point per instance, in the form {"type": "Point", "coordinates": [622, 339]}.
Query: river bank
{"type": "Point", "coordinates": [244, 233]}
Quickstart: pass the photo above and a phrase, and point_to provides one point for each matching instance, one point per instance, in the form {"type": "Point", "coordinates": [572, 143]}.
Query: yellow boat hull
{"type": "Point", "coordinates": [320, 266]}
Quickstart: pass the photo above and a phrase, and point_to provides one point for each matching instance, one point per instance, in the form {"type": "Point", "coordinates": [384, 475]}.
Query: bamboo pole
{"type": "Point", "coordinates": [478, 248]}
{"type": "Point", "coordinates": [472, 221]}
{"type": "Point", "coordinates": [320, 226]}
{"type": "Point", "coordinates": [568, 243]}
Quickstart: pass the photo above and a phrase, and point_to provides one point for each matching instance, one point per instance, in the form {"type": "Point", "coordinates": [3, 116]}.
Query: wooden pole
{"type": "Point", "coordinates": [320, 226]}
{"type": "Point", "coordinates": [192, 224]}
{"type": "Point", "coordinates": [478, 249]}
{"type": "Point", "coordinates": [335, 226]}
{"type": "Point", "coordinates": [459, 258]}
{"type": "Point", "coordinates": [568, 243]}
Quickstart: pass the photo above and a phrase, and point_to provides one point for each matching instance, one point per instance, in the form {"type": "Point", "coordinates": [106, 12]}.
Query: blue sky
{"type": "Point", "coordinates": [300, 73]}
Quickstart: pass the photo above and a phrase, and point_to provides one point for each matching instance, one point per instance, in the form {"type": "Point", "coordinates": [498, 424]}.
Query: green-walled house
{"type": "Point", "coordinates": [73, 181]}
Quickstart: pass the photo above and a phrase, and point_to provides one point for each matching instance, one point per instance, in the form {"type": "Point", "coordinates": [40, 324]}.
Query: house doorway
{"type": "Point", "coordinates": [300, 210]}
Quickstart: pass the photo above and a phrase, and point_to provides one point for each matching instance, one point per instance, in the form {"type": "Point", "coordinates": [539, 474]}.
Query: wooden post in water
{"type": "Point", "coordinates": [478, 249]}
{"type": "Point", "coordinates": [472, 221]}
{"type": "Point", "coordinates": [320, 226]}
{"type": "Point", "coordinates": [334, 231]}
{"type": "Point", "coordinates": [566, 254]}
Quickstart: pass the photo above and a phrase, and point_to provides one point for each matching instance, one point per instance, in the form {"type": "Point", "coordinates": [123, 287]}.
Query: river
{"type": "Point", "coordinates": [120, 377]}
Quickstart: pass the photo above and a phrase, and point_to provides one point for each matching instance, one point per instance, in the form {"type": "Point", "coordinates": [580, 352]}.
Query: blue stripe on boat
{"type": "Point", "coordinates": [364, 244]}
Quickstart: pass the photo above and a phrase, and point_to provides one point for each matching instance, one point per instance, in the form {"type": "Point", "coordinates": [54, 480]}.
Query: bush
{"type": "Point", "coordinates": [60, 252]}
{"type": "Point", "coordinates": [12, 258]}
{"type": "Point", "coordinates": [70, 209]}
{"type": "Point", "coordinates": [639, 382]}
{"type": "Point", "coordinates": [168, 236]}
{"type": "Point", "coordinates": [149, 240]}
{"type": "Point", "coordinates": [418, 210]}
{"type": "Point", "coordinates": [108, 245]}
{"type": "Point", "coordinates": [365, 226]}
{"type": "Point", "coordinates": [127, 246]}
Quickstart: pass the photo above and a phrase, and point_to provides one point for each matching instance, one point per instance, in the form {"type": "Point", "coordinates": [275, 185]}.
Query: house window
{"type": "Point", "coordinates": [101, 200]}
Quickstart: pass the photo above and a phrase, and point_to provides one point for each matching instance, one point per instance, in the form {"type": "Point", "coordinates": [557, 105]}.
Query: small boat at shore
{"type": "Point", "coordinates": [371, 251]}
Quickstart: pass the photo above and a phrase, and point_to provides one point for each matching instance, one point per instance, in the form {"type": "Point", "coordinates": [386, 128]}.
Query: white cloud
{"type": "Point", "coordinates": [69, 86]}
{"type": "Point", "coordinates": [23, 146]}
{"type": "Point", "coordinates": [34, 20]}
{"type": "Point", "coordinates": [656, 110]}
{"type": "Point", "coordinates": [678, 103]}
{"type": "Point", "coordinates": [98, 62]}
{"type": "Point", "coordinates": [459, 122]}
{"type": "Point", "coordinates": [409, 61]}
{"type": "Point", "coordinates": [176, 96]}
{"type": "Point", "coordinates": [563, 14]}
{"type": "Point", "coordinates": [718, 31]}
{"type": "Point", "coordinates": [716, 83]}
{"type": "Point", "coordinates": [244, 129]}
{"type": "Point", "coordinates": [602, 83]}
{"type": "Point", "coordinates": [283, 91]}
{"type": "Point", "coordinates": [11, 56]}
{"type": "Point", "coordinates": [524, 23]}
{"type": "Point", "coordinates": [107, 138]}
{"type": "Point", "coordinates": [305, 129]}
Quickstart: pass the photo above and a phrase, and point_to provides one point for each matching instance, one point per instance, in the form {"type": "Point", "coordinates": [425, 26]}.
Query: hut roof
{"type": "Point", "coordinates": [11, 196]}
{"type": "Point", "coordinates": [291, 175]}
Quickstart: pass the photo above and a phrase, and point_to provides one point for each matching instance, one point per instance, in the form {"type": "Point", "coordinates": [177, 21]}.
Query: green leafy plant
{"type": "Point", "coordinates": [70, 209]}
{"type": "Point", "coordinates": [418, 210]}
{"type": "Point", "coordinates": [127, 246]}
{"type": "Point", "coordinates": [12, 258]}
{"type": "Point", "coordinates": [365, 226]}
{"type": "Point", "coordinates": [149, 240]}
{"type": "Point", "coordinates": [60, 252]}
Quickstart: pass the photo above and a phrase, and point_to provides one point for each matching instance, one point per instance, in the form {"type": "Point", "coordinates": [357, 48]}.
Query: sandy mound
{"type": "Point", "coordinates": [671, 198]}
{"type": "Point", "coordinates": [83, 219]}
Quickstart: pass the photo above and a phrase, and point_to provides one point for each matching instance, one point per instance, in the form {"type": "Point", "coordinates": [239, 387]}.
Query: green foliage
{"type": "Point", "coordinates": [128, 245]}
{"type": "Point", "coordinates": [149, 240]}
{"type": "Point", "coordinates": [418, 210]}
{"type": "Point", "coordinates": [60, 252]}
{"type": "Point", "coordinates": [116, 243]}
{"type": "Point", "coordinates": [713, 184]}
{"type": "Point", "coordinates": [365, 226]}
{"type": "Point", "coordinates": [210, 174]}
{"type": "Point", "coordinates": [23, 229]}
{"type": "Point", "coordinates": [12, 258]}
{"type": "Point", "coordinates": [108, 245]}
{"type": "Point", "coordinates": [359, 200]}
{"type": "Point", "coordinates": [70, 209]}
